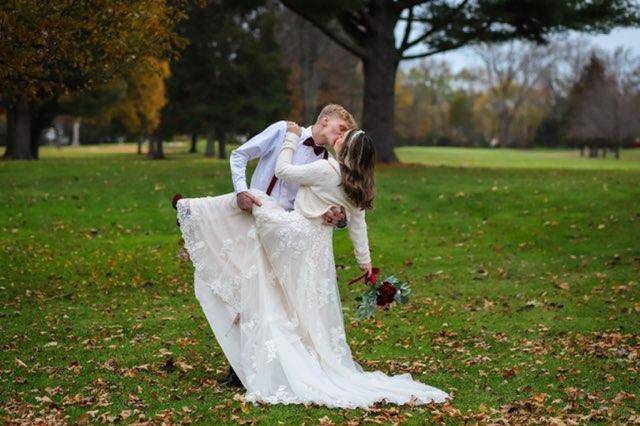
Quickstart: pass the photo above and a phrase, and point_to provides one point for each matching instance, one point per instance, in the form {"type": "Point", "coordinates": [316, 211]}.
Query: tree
{"type": "Point", "coordinates": [605, 102]}
{"type": "Point", "coordinates": [422, 101]}
{"type": "Point", "coordinates": [229, 79]}
{"type": "Point", "coordinates": [366, 28]}
{"type": "Point", "coordinates": [567, 58]}
{"type": "Point", "coordinates": [88, 105]}
{"type": "Point", "coordinates": [139, 110]}
{"type": "Point", "coordinates": [513, 76]}
{"type": "Point", "coordinates": [408, 126]}
{"type": "Point", "coordinates": [137, 113]}
{"type": "Point", "coordinates": [551, 130]}
{"type": "Point", "coordinates": [462, 118]}
{"type": "Point", "coordinates": [321, 72]}
{"type": "Point", "coordinates": [50, 49]}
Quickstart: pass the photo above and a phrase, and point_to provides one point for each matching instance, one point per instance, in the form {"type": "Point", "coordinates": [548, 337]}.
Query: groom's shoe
{"type": "Point", "coordinates": [174, 202]}
{"type": "Point", "coordinates": [232, 379]}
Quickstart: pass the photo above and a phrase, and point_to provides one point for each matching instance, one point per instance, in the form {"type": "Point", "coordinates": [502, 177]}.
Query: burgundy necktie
{"type": "Point", "coordinates": [316, 150]}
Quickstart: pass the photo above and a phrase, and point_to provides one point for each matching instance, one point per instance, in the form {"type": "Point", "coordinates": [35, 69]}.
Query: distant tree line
{"type": "Point", "coordinates": [151, 70]}
{"type": "Point", "coordinates": [522, 95]}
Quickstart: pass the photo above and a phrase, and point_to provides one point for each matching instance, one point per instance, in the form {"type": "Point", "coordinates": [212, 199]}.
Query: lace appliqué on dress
{"type": "Point", "coordinates": [272, 351]}
{"type": "Point", "coordinates": [225, 286]}
{"type": "Point", "coordinates": [338, 341]}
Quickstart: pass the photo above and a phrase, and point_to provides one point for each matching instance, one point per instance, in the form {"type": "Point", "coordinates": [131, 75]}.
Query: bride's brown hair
{"type": "Point", "coordinates": [357, 160]}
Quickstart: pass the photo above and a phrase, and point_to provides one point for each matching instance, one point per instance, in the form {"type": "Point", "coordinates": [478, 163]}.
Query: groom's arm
{"type": "Point", "coordinates": [255, 147]}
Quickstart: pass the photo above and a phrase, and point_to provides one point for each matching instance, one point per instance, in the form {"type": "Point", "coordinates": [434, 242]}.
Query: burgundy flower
{"type": "Point", "coordinates": [373, 278]}
{"type": "Point", "coordinates": [385, 294]}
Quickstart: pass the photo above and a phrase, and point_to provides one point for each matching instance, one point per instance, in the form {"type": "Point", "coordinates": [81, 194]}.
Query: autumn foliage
{"type": "Point", "coordinates": [53, 48]}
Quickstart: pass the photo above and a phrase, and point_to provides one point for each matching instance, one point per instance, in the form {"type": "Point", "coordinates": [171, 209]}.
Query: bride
{"type": "Point", "coordinates": [267, 283]}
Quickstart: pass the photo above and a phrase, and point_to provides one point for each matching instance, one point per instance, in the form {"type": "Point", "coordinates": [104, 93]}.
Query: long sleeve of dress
{"type": "Point", "coordinates": [303, 174]}
{"type": "Point", "coordinates": [358, 234]}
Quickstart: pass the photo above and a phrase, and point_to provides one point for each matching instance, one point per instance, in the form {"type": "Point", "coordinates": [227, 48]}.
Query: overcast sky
{"type": "Point", "coordinates": [626, 37]}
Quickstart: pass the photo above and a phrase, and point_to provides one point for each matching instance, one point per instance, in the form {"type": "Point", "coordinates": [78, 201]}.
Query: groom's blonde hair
{"type": "Point", "coordinates": [335, 110]}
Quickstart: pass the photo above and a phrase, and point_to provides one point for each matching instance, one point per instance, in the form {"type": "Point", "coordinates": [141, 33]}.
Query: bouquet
{"type": "Point", "coordinates": [379, 295]}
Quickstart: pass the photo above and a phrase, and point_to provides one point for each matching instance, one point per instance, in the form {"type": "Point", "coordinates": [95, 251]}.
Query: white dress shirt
{"type": "Point", "coordinates": [266, 145]}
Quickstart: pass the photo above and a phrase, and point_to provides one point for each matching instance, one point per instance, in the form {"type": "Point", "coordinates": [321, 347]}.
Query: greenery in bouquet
{"type": "Point", "coordinates": [380, 295]}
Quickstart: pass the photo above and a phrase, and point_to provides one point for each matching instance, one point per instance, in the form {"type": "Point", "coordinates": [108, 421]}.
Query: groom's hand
{"type": "Point", "coordinates": [246, 200]}
{"type": "Point", "coordinates": [334, 215]}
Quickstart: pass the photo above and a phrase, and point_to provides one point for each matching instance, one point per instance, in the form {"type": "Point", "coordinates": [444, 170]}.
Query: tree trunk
{"type": "Point", "coordinates": [21, 144]}
{"type": "Point", "coordinates": [156, 151]}
{"type": "Point", "coordinates": [194, 143]}
{"type": "Point", "coordinates": [159, 148]}
{"type": "Point", "coordinates": [378, 106]}
{"type": "Point", "coordinates": [75, 141]}
{"type": "Point", "coordinates": [139, 144]}
{"type": "Point", "coordinates": [222, 150]}
{"type": "Point", "coordinates": [42, 114]}
{"type": "Point", "coordinates": [11, 127]}
{"type": "Point", "coordinates": [37, 126]}
{"type": "Point", "coordinates": [504, 128]}
{"type": "Point", "coordinates": [210, 148]}
{"type": "Point", "coordinates": [310, 84]}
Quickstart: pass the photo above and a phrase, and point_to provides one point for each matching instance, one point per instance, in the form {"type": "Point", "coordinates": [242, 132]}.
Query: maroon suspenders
{"type": "Point", "coordinates": [274, 179]}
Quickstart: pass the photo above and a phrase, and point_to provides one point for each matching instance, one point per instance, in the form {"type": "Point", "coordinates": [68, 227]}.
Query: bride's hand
{"type": "Point", "coordinates": [293, 128]}
{"type": "Point", "coordinates": [366, 268]}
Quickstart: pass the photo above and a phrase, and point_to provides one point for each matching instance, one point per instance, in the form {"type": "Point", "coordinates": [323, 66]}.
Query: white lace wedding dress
{"type": "Point", "coordinates": [276, 270]}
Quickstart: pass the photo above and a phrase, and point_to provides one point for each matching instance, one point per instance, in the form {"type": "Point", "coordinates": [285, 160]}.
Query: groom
{"type": "Point", "coordinates": [332, 123]}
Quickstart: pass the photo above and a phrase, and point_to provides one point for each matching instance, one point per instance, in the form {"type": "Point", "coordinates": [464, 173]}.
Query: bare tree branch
{"type": "Point", "coordinates": [435, 51]}
{"type": "Point", "coordinates": [434, 29]}
{"type": "Point", "coordinates": [415, 19]}
{"type": "Point", "coordinates": [401, 5]}
{"type": "Point", "coordinates": [366, 20]}
{"type": "Point", "coordinates": [407, 31]}
{"type": "Point", "coordinates": [353, 27]}
{"type": "Point", "coordinates": [327, 30]}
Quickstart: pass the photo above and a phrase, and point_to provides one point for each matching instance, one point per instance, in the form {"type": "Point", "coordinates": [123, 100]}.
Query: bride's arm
{"type": "Point", "coordinates": [304, 174]}
{"type": "Point", "coordinates": [358, 234]}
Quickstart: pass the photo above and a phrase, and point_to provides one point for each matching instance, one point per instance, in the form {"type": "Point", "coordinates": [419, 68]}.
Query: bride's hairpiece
{"type": "Point", "coordinates": [356, 134]}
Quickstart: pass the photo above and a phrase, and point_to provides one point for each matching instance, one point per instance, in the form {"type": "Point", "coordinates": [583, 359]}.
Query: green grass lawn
{"type": "Point", "coordinates": [525, 285]}
{"type": "Point", "coordinates": [517, 158]}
